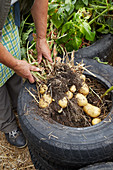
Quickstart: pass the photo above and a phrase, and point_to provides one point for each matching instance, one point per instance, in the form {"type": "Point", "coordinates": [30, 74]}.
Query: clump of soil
{"type": "Point", "coordinates": [59, 82]}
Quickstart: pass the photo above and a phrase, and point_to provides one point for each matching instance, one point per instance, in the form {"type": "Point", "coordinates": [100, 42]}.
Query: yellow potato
{"type": "Point", "coordinates": [63, 102]}
{"type": "Point", "coordinates": [84, 89]}
{"type": "Point", "coordinates": [73, 88]}
{"type": "Point", "coordinates": [83, 77]}
{"type": "Point", "coordinates": [47, 98]}
{"type": "Point", "coordinates": [91, 110]}
{"type": "Point", "coordinates": [45, 101]}
{"type": "Point", "coordinates": [81, 99]}
{"type": "Point", "coordinates": [42, 103]}
{"type": "Point", "coordinates": [96, 121]}
{"type": "Point", "coordinates": [43, 88]}
{"type": "Point", "coordinates": [69, 95]}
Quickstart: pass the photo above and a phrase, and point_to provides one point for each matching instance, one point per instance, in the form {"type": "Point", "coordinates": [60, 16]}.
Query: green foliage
{"type": "Point", "coordinates": [73, 22]}
{"type": "Point", "coordinates": [70, 22]}
{"type": "Point", "coordinates": [24, 34]}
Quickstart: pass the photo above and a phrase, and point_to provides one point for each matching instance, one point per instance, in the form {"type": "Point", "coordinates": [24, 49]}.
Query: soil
{"type": "Point", "coordinates": [60, 81]}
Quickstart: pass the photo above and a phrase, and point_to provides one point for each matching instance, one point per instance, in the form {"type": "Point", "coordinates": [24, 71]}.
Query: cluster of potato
{"type": "Point", "coordinates": [88, 108]}
{"type": "Point", "coordinates": [46, 99]}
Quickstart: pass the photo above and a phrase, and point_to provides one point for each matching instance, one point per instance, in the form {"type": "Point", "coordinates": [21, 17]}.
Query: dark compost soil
{"type": "Point", "coordinates": [61, 79]}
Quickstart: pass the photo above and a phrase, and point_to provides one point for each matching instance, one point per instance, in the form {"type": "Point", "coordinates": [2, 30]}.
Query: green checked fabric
{"type": "Point", "coordinates": [10, 40]}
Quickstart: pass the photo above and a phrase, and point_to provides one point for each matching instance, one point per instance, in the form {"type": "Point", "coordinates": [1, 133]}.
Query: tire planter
{"type": "Point", "coordinates": [102, 48]}
{"type": "Point", "coordinates": [68, 147]}
{"type": "Point", "coordinates": [99, 166]}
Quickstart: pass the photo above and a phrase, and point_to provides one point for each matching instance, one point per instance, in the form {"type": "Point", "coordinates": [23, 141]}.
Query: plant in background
{"type": "Point", "coordinates": [73, 24]}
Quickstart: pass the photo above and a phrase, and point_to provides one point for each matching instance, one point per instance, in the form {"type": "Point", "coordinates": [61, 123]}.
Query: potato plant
{"type": "Point", "coordinates": [72, 24]}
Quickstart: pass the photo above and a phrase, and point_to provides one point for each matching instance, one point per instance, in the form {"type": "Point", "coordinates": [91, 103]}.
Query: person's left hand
{"type": "Point", "coordinates": [43, 49]}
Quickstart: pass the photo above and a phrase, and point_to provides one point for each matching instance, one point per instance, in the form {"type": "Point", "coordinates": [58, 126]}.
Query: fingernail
{"type": "Point", "coordinates": [37, 69]}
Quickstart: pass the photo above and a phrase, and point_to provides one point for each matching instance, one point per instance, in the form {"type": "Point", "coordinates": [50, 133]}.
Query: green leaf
{"type": "Point", "coordinates": [66, 27]}
{"type": "Point", "coordinates": [79, 4]}
{"type": "Point", "coordinates": [67, 1]}
{"type": "Point", "coordinates": [86, 30]}
{"type": "Point", "coordinates": [23, 52]}
{"type": "Point", "coordinates": [74, 1]}
{"type": "Point", "coordinates": [63, 39]}
{"type": "Point", "coordinates": [101, 28]}
{"type": "Point", "coordinates": [85, 2]}
{"type": "Point", "coordinates": [73, 44]}
{"type": "Point", "coordinates": [52, 8]}
{"type": "Point", "coordinates": [109, 22]}
{"type": "Point", "coordinates": [69, 8]}
{"type": "Point", "coordinates": [77, 43]}
{"type": "Point", "coordinates": [57, 20]}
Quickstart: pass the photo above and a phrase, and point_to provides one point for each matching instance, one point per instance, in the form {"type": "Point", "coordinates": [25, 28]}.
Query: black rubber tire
{"type": "Point", "coordinates": [102, 48]}
{"type": "Point", "coordinates": [68, 146]}
{"type": "Point", "coordinates": [43, 165]}
{"type": "Point", "coordinates": [46, 163]}
{"type": "Point", "coordinates": [46, 166]}
{"type": "Point", "coordinates": [37, 161]}
{"type": "Point", "coordinates": [99, 166]}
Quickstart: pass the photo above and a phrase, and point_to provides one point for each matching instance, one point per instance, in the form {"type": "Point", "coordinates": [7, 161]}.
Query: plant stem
{"type": "Point", "coordinates": [107, 91]}
{"type": "Point", "coordinates": [32, 95]}
{"type": "Point", "coordinates": [70, 16]}
{"type": "Point", "coordinates": [38, 74]}
{"type": "Point", "coordinates": [97, 16]}
{"type": "Point", "coordinates": [77, 26]}
{"type": "Point", "coordinates": [35, 76]}
{"type": "Point", "coordinates": [32, 45]}
{"type": "Point", "coordinates": [100, 2]}
{"type": "Point", "coordinates": [97, 6]}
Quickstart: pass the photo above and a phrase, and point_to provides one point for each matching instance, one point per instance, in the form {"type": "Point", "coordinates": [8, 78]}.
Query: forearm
{"type": "Point", "coordinates": [39, 13]}
{"type": "Point", "coordinates": [6, 58]}
{"type": "Point", "coordinates": [22, 68]}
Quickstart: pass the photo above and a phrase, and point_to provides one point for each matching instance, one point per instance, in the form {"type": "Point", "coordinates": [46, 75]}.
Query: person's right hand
{"type": "Point", "coordinates": [23, 69]}
{"type": "Point", "coordinates": [43, 50]}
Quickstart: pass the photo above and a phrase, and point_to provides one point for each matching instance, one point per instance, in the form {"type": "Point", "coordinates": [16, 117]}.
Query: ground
{"type": "Point", "coordinates": [12, 158]}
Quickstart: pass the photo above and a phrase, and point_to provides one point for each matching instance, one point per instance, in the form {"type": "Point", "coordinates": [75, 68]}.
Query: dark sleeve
{"type": "Point", "coordinates": [25, 6]}
{"type": "Point", "coordinates": [4, 9]}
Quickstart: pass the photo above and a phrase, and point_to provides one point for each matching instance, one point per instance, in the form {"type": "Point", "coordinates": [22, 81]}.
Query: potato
{"type": "Point", "coordinates": [73, 88]}
{"type": "Point", "coordinates": [42, 103]}
{"type": "Point", "coordinates": [91, 110]}
{"type": "Point", "coordinates": [96, 121]}
{"type": "Point", "coordinates": [84, 89]}
{"type": "Point", "coordinates": [81, 99]}
{"type": "Point", "coordinates": [82, 76]}
{"type": "Point", "coordinates": [43, 88]}
{"type": "Point", "coordinates": [69, 95]}
{"type": "Point", "coordinates": [45, 100]}
{"type": "Point", "coordinates": [63, 102]}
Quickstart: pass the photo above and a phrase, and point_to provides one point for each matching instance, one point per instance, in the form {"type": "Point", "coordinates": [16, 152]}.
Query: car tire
{"type": "Point", "coordinates": [99, 166]}
{"type": "Point", "coordinates": [102, 48]}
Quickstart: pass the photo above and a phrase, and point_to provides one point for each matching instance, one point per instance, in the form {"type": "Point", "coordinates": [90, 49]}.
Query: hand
{"type": "Point", "coordinates": [43, 49]}
{"type": "Point", "coordinates": [23, 69]}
